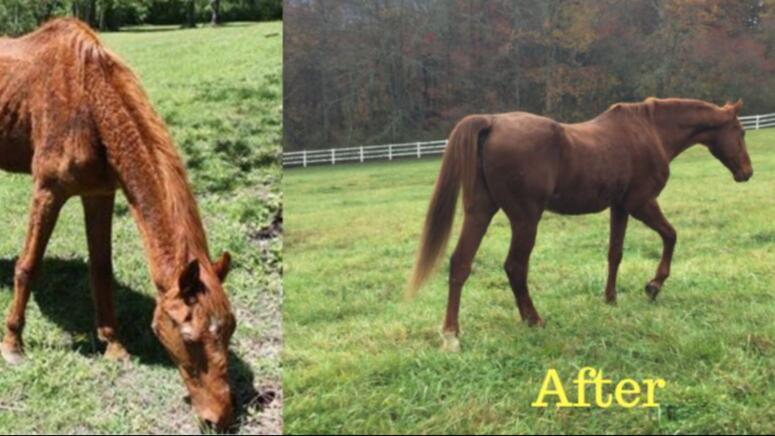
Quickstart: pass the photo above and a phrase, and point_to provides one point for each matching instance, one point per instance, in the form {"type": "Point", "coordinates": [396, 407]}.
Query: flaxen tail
{"type": "Point", "coordinates": [458, 168]}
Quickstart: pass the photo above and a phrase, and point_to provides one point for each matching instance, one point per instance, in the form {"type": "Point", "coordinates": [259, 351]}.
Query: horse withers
{"type": "Point", "coordinates": [76, 118]}
{"type": "Point", "coordinates": [525, 164]}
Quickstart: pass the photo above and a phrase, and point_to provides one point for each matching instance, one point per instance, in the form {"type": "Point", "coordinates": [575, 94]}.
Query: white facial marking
{"type": "Point", "coordinates": [186, 330]}
{"type": "Point", "coordinates": [214, 326]}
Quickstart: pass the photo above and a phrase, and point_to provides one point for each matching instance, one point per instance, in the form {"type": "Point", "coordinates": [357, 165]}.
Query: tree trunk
{"type": "Point", "coordinates": [91, 13]}
{"type": "Point", "coordinates": [215, 8]}
{"type": "Point", "coordinates": [103, 21]}
{"type": "Point", "coordinates": [190, 14]}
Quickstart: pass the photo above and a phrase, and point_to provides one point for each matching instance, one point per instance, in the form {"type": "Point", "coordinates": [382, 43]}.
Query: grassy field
{"type": "Point", "coordinates": [220, 92]}
{"type": "Point", "coordinates": [358, 357]}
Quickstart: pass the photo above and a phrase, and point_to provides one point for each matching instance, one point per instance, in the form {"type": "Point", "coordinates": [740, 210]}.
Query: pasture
{"type": "Point", "coordinates": [359, 357]}
{"type": "Point", "coordinates": [220, 91]}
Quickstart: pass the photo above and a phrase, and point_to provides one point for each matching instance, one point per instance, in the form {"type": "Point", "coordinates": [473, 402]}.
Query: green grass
{"type": "Point", "coordinates": [358, 357]}
{"type": "Point", "coordinates": [220, 92]}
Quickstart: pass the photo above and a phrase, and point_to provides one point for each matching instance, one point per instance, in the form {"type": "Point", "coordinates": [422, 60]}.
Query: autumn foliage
{"type": "Point", "coordinates": [391, 71]}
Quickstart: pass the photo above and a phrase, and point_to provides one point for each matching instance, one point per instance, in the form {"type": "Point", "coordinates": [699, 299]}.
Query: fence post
{"type": "Point", "coordinates": [361, 154]}
{"type": "Point", "coordinates": [390, 151]}
{"type": "Point", "coordinates": [757, 122]}
{"type": "Point", "coordinates": [304, 158]}
{"type": "Point", "coordinates": [333, 156]}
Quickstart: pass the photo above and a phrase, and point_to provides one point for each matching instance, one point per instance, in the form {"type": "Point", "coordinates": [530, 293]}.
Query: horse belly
{"type": "Point", "coordinates": [581, 199]}
{"type": "Point", "coordinates": [15, 155]}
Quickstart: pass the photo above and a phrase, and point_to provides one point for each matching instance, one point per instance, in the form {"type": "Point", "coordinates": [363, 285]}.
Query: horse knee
{"type": "Point", "coordinates": [615, 257]}
{"type": "Point", "coordinates": [22, 276]}
{"type": "Point", "coordinates": [512, 269]}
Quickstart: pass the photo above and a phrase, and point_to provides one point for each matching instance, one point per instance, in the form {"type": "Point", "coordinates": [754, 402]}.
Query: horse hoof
{"type": "Point", "coordinates": [610, 300]}
{"type": "Point", "coordinates": [536, 322]}
{"type": "Point", "coordinates": [652, 290]}
{"type": "Point", "coordinates": [13, 356]}
{"type": "Point", "coordinates": [451, 344]}
{"type": "Point", "coordinates": [116, 352]}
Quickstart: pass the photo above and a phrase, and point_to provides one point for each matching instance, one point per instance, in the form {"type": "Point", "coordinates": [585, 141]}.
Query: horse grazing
{"type": "Point", "coordinates": [75, 117]}
{"type": "Point", "coordinates": [525, 164]}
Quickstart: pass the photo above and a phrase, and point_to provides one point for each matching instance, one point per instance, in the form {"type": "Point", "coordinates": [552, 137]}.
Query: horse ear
{"type": "Point", "coordinates": [737, 106]}
{"type": "Point", "coordinates": [222, 266]}
{"type": "Point", "coordinates": [188, 281]}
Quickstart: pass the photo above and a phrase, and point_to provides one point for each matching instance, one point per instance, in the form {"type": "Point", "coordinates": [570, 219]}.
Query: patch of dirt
{"type": "Point", "coordinates": [264, 407]}
{"type": "Point", "coordinates": [271, 232]}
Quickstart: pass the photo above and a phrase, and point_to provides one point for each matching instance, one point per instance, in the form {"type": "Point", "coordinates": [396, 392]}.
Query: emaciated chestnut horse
{"type": "Point", "coordinates": [526, 164]}
{"type": "Point", "coordinates": [75, 117]}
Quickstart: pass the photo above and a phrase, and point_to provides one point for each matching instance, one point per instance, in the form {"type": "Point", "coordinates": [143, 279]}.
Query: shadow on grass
{"type": "Point", "coordinates": [62, 291]}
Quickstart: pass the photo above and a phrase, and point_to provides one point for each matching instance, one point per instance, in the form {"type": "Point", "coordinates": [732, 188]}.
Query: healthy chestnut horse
{"type": "Point", "coordinates": [525, 164]}
{"type": "Point", "coordinates": [76, 118]}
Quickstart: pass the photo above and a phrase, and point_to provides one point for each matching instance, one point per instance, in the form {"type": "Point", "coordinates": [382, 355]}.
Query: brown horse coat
{"type": "Point", "coordinates": [76, 118]}
{"type": "Point", "coordinates": [525, 164]}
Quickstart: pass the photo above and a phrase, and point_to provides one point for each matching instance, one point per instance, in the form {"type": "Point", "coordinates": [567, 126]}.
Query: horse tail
{"type": "Point", "coordinates": [458, 168]}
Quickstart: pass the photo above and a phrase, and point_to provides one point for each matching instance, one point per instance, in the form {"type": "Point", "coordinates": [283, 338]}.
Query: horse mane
{"type": "Point", "coordinates": [154, 136]}
{"type": "Point", "coordinates": [673, 107]}
{"type": "Point", "coordinates": [158, 141]}
{"type": "Point", "coordinates": [645, 108]}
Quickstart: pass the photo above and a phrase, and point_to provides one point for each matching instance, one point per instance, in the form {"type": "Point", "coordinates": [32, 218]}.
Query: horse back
{"type": "Point", "coordinates": [46, 124]}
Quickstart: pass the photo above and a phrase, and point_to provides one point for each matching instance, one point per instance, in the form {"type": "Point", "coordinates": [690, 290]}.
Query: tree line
{"type": "Point", "coordinates": [20, 16]}
{"type": "Point", "coordinates": [388, 71]}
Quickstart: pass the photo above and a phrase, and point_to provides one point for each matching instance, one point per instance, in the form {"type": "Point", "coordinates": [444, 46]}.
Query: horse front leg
{"type": "Point", "coordinates": [651, 215]}
{"type": "Point", "coordinates": [615, 246]}
{"type": "Point", "coordinates": [98, 211]}
{"type": "Point", "coordinates": [44, 211]}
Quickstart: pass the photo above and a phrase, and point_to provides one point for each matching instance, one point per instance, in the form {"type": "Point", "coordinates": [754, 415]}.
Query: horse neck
{"type": "Point", "coordinates": [167, 216]}
{"type": "Point", "coordinates": [142, 154]}
{"type": "Point", "coordinates": [678, 121]}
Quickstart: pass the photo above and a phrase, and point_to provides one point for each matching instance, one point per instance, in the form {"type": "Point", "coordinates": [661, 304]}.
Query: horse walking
{"type": "Point", "coordinates": [525, 164]}
{"type": "Point", "coordinates": [76, 118]}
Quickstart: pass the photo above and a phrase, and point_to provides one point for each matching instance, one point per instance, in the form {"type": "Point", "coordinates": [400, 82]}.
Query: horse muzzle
{"type": "Point", "coordinates": [213, 406]}
{"type": "Point", "coordinates": [744, 175]}
{"type": "Point", "coordinates": [219, 418]}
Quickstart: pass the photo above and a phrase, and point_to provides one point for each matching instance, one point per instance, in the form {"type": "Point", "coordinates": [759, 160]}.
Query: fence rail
{"type": "Point", "coordinates": [333, 156]}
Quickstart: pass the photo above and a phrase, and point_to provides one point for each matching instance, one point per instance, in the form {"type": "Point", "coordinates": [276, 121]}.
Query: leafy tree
{"type": "Point", "coordinates": [20, 16]}
{"type": "Point", "coordinates": [405, 70]}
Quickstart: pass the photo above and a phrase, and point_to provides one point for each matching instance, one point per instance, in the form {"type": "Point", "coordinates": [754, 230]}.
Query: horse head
{"type": "Point", "coordinates": [194, 323]}
{"type": "Point", "coordinates": [726, 141]}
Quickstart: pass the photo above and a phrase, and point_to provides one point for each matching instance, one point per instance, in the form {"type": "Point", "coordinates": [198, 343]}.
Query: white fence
{"type": "Point", "coordinates": [756, 122]}
{"type": "Point", "coordinates": [333, 156]}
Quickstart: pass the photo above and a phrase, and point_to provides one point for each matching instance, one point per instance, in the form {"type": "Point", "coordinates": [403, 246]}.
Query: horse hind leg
{"type": "Point", "coordinates": [516, 267]}
{"type": "Point", "coordinates": [44, 212]}
{"type": "Point", "coordinates": [98, 211]}
{"type": "Point", "coordinates": [477, 219]}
